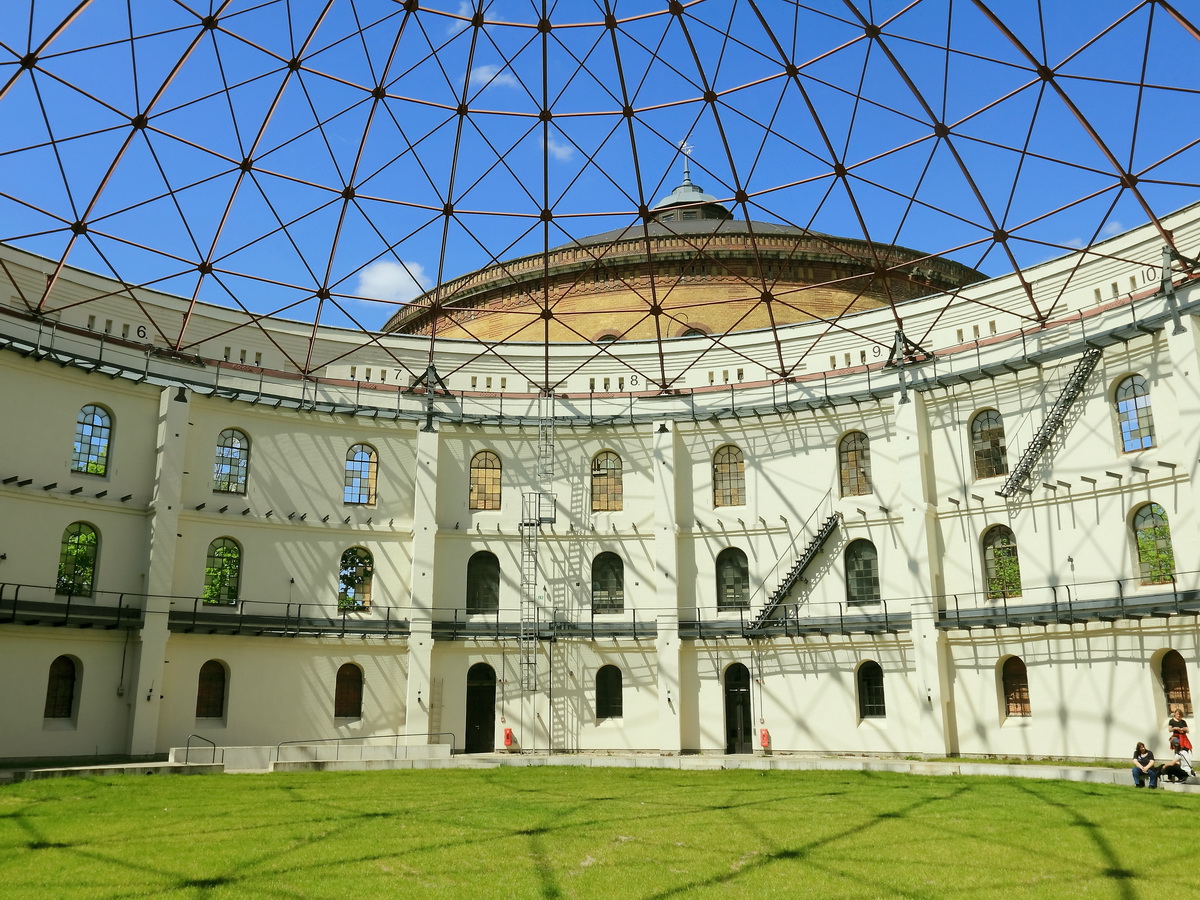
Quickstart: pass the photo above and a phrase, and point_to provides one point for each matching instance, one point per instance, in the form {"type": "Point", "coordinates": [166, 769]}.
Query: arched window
{"type": "Point", "coordinates": [1152, 536]}
{"type": "Point", "coordinates": [355, 574]}
{"type": "Point", "coordinates": [60, 689]}
{"type": "Point", "coordinates": [1001, 568]}
{"type": "Point", "coordinates": [222, 571]}
{"type": "Point", "coordinates": [606, 482]}
{"type": "Point", "coordinates": [870, 691]}
{"type": "Point", "coordinates": [733, 579]}
{"type": "Point", "coordinates": [231, 467]}
{"type": "Point", "coordinates": [608, 693]}
{"type": "Point", "coordinates": [854, 464]}
{"type": "Point", "coordinates": [608, 584]}
{"type": "Point", "coordinates": [361, 466]}
{"type": "Point", "coordinates": [483, 583]}
{"type": "Point", "coordinates": [606, 339]}
{"type": "Point", "coordinates": [485, 480]}
{"type": "Point", "coordinates": [1132, 398]}
{"type": "Point", "coordinates": [77, 560]}
{"type": "Point", "coordinates": [210, 691]}
{"type": "Point", "coordinates": [862, 572]}
{"type": "Point", "coordinates": [988, 448]}
{"type": "Point", "coordinates": [348, 692]}
{"type": "Point", "coordinates": [729, 477]}
{"type": "Point", "coordinates": [1015, 682]}
{"type": "Point", "coordinates": [1175, 683]}
{"type": "Point", "coordinates": [93, 434]}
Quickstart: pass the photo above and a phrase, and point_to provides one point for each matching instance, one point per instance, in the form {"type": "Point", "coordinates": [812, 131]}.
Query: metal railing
{"type": "Point", "coordinates": [187, 750]}
{"type": "Point", "coordinates": [1065, 604]}
{"type": "Point", "coordinates": [360, 741]}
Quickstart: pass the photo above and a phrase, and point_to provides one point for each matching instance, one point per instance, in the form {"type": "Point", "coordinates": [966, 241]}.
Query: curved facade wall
{"type": "Point", "coordinates": [1088, 603]}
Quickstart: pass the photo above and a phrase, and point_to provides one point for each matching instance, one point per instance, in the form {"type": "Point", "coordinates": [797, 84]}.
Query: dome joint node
{"type": "Point", "coordinates": [740, 196]}
{"type": "Point", "coordinates": [448, 209]}
{"type": "Point", "coordinates": [710, 96]}
{"type": "Point", "coordinates": [348, 193]}
{"type": "Point", "coordinates": [209, 22]}
{"type": "Point", "coordinates": [477, 20]}
{"type": "Point", "coordinates": [544, 26]}
{"type": "Point", "coordinates": [1045, 73]}
{"type": "Point", "coordinates": [205, 268]}
{"type": "Point", "coordinates": [378, 92]}
{"type": "Point", "coordinates": [675, 8]}
{"type": "Point", "coordinates": [627, 112]}
{"type": "Point", "coordinates": [246, 165]}
{"type": "Point", "coordinates": [323, 293]}
{"type": "Point", "coordinates": [411, 5]}
{"type": "Point", "coordinates": [1128, 179]}
{"type": "Point", "coordinates": [547, 314]}
{"type": "Point", "coordinates": [941, 129]}
{"type": "Point", "coordinates": [29, 60]}
{"type": "Point", "coordinates": [79, 227]}
{"type": "Point", "coordinates": [1000, 235]}
{"type": "Point", "coordinates": [294, 64]}
{"type": "Point", "coordinates": [872, 30]}
{"type": "Point", "coordinates": [839, 170]}
{"type": "Point", "coordinates": [792, 70]}
{"type": "Point", "coordinates": [610, 21]}
{"type": "Point", "coordinates": [546, 215]}
{"type": "Point", "coordinates": [140, 121]}
{"type": "Point", "coordinates": [545, 115]}
{"type": "Point", "coordinates": [463, 109]}
{"type": "Point", "coordinates": [766, 297]}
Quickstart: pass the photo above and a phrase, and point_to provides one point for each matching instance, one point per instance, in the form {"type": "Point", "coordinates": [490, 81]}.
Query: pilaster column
{"type": "Point", "coordinates": [1178, 441]}
{"type": "Point", "coordinates": [162, 532]}
{"type": "Point", "coordinates": [666, 584]}
{"type": "Point", "coordinates": [423, 602]}
{"type": "Point", "coordinates": [920, 549]}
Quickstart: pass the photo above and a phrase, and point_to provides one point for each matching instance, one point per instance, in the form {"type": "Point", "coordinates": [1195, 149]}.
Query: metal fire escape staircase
{"type": "Point", "coordinates": [797, 571]}
{"type": "Point", "coordinates": [537, 509]}
{"type": "Point", "coordinates": [1058, 414]}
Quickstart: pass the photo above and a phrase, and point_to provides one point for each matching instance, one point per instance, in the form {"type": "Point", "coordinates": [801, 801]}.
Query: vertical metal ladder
{"type": "Point", "coordinates": [1058, 413]}
{"type": "Point", "coordinates": [537, 509]}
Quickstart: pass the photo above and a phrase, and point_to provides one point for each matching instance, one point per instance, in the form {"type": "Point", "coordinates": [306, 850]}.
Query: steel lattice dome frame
{"type": "Point", "coordinates": [335, 162]}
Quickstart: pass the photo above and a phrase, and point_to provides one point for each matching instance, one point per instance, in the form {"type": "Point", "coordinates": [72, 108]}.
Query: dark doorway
{"type": "Point", "coordinates": [737, 710]}
{"type": "Point", "coordinates": [481, 709]}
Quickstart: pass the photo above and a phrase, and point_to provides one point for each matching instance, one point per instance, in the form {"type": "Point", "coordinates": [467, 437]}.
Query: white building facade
{"type": "Point", "coordinates": [206, 543]}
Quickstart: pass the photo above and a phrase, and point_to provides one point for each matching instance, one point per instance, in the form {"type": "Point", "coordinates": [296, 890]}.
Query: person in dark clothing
{"type": "Point", "coordinates": [1143, 767]}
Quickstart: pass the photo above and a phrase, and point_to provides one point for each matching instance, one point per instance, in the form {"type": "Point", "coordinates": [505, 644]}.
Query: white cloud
{"type": "Point", "coordinates": [385, 279]}
{"type": "Point", "coordinates": [466, 9]}
{"type": "Point", "coordinates": [1114, 227]}
{"type": "Point", "coordinates": [560, 150]}
{"type": "Point", "coordinates": [489, 76]}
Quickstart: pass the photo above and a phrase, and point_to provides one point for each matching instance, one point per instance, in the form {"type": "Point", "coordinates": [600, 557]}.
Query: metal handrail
{"type": "Point", "coordinates": [370, 737]}
{"type": "Point", "coordinates": [187, 750]}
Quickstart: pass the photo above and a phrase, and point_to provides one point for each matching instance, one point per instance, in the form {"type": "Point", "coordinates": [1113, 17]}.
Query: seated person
{"type": "Point", "coordinates": [1179, 768]}
{"type": "Point", "coordinates": [1143, 767]}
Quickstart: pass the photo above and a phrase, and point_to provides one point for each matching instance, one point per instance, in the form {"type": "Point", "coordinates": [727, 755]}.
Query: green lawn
{"type": "Point", "coordinates": [576, 832]}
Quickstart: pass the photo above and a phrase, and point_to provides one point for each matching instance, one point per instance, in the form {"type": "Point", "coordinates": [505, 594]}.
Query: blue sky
{"type": "Point", "coordinates": [434, 193]}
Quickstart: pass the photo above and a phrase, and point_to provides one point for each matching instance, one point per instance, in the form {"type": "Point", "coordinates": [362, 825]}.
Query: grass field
{"type": "Point", "coordinates": [580, 832]}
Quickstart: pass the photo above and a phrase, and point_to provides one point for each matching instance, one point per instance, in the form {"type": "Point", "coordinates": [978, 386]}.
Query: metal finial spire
{"type": "Point", "coordinates": [686, 149]}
